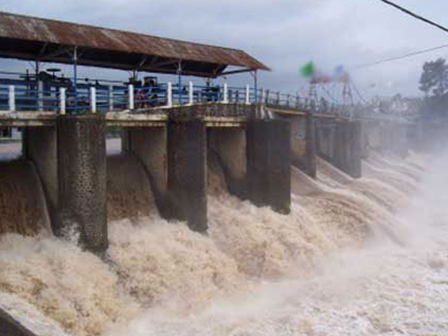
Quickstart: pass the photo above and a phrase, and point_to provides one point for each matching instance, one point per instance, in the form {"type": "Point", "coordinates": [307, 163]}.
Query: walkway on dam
{"type": "Point", "coordinates": [25, 106]}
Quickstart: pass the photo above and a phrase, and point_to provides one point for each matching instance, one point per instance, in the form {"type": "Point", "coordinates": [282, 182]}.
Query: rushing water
{"type": "Point", "coordinates": [354, 257]}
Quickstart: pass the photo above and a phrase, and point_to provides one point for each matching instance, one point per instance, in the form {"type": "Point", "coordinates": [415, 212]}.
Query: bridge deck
{"type": "Point", "coordinates": [214, 115]}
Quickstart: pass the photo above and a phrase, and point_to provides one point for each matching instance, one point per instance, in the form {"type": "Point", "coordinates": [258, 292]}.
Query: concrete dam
{"type": "Point", "coordinates": [66, 182]}
{"type": "Point", "coordinates": [198, 172]}
{"type": "Point", "coordinates": [146, 208]}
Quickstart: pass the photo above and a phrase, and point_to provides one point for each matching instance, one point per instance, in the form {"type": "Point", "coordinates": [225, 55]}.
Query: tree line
{"type": "Point", "coordinates": [434, 84]}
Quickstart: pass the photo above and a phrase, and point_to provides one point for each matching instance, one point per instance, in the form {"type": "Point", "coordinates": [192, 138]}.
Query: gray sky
{"type": "Point", "coordinates": [284, 34]}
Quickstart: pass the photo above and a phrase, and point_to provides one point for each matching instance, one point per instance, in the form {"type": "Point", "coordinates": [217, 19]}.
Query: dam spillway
{"type": "Point", "coordinates": [22, 201]}
{"type": "Point", "coordinates": [244, 244]}
{"type": "Point", "coordinates": [225, 211]}
{"type": "Point", "coordinates": [225, 175]}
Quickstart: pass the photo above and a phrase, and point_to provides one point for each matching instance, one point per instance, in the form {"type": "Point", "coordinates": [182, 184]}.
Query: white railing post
{"type": "Point", "coordinates": [12, 98]}
{"type": "Point", "coordinates": [190, 93]}
{"type": "Point", "coordinates": [110, 94]}
{"type": "Point", "coordinates": [40, 95]}
{"type": "Point", "coordinates": [225, 98]}
{"type": "Point", "coordinates": [169, 95]}
{"type": "Point", "coordinates": [297, 100]}
{"type": "Point", "coordinates": [131, 96]}
{"type": "Point", "coordinates": [278, 98]}
{"type": "Point", "coordinates": [287, 99]}
{"type": "Point", "coordinates": [93, 99]}
{"type": "Point", "coordinates": [261, 96]}
{"type": "Point", "coordinates": [62, 104]}
{"type": "Point", "coordinates": [247, 94]}
{"type": "Point", "coordinates": [267, 97]}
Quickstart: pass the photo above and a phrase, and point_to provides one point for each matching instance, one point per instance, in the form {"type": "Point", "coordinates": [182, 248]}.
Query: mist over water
{"type": "Point", "coordinates": [354, 257]}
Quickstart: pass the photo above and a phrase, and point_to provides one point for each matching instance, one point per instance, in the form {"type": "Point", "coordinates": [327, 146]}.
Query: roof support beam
{"type": "Point", "coordinates": [42, 50]}
{"type": "Point", "coordinates": [164, 63]}
{"type": "Point", "coordinates": [60, 51]}
{"type": "Point", "coordinates": [232, 72]}
{"type": "Point", "coordinates": [153, 60]}
{"type": "Point", "coordinates": [142, 61]}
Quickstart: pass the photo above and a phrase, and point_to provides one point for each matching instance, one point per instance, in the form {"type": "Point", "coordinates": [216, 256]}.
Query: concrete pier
{"type": "Point", "coordinates": [348, 149]}
{"type": "Point", "coordinates": [400, 144]}
{"type": "Point", "coordinates": [303, 147]}
{"type": "Point", "coordinates": [340, 143]}
{"type": "Point", "coordinates": [388, 137]}
{"type": "Point", "coordinates": [187, 172]}
{"type": "Point", "coordinates": [269, 164]}
{"type": "Point", "coordinates": [170, 150]}
{"type": "Point", "coordinates": [311, 168]}
{"type": "Point", "coordinates": [298, 142]}
{"type": "Point", "coordinates": [82, 179]}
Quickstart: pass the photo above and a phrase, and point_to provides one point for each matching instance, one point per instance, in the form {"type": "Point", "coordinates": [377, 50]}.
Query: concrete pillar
{"type": "Point", "coordinates": [365, 139]}
{"type": "Point", "coordinates": [269, 164]}
{"type": "Point", "coordinates": [187, 168]}
{"type": "Point", "coordinates": [39, 145]}
{"type": "Point", "coordinates": [356, 152]}
{"type": "Point", "coordinates": [400, 143]}
{"type": "Point", "coordinates": [414, 137]}
{"type": "Point", "coordinates": [228, 146]}
{"type": "Point", "coordinates": [311, 168]}
{"type": "Point", "coordinates": [298, 142]}
{"type": "Point", "coordinates": [348, 148]}
{"type": "Point", "coordinates": [326, 134]}
{"type": "Point", "coordinates": [149, 145]}
{"type": "Point", "coordinates": [303, 146]}
{"type": "Point", "coordinates": [82, 179]}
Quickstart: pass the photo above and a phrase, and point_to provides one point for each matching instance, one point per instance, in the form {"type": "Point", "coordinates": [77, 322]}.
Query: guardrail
{"type": "Point", "coordinates": [101, 99]}
{"type": "Point", "coordinates": [117, 98]}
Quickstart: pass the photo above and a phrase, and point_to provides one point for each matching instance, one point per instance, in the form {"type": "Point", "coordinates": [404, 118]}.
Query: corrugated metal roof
{"type": "Point", "coordinates": [44, 37]}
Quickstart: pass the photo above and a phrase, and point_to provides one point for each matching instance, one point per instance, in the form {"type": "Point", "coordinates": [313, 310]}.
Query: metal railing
{"type": "Point", "coordinates": [116, 98]}
{"type": "Point", "coordinates": [101, 99]}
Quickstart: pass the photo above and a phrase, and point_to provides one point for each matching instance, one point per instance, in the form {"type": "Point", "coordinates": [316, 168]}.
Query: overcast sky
{"type": "Point", "coordinates": [284, 34]}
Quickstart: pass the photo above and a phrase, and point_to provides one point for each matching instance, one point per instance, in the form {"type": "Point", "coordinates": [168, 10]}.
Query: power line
{"type": "Point", "coordinates": [416, 16]}
{"type": "Point", "coordinates": [396, 58]}
{"type": "Point", "coordinates": [411, 54]}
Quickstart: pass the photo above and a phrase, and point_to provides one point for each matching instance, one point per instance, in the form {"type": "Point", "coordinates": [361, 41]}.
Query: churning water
{"type": "Point", "coordinates": [354, 257]}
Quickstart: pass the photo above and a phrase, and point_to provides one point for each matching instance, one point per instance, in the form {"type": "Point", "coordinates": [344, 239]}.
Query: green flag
{"type": "Point", "coordinates": [307, 70]}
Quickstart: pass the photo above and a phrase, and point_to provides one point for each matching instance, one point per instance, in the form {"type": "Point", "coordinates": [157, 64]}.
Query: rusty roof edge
{"type": "Point", "coordinates": [261, 66]}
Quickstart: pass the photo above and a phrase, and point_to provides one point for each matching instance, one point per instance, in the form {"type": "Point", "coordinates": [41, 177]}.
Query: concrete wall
{"type": "Point", "coordinates": [40, 147]}
{"type": "Point", "coordinates": [23, 208]}
{"type": "Point", "coordinates": [348, 148]}
{"type": "Point", "coordinates": [303, 144]}
{"type": "Point", "coordinates": [71, 162]}
{"type": "Point", "coordinates": [187, 173]}
{"type": "Point", "coordinates": [228, 146]}
{"type": "Point", "coordinates": [298, 142]}
{"type": "Point", "coordinates": [386, 137]}
{"type": "Point", "coordinates": [129, 192]}
{"type": "Point", "coordinates": [82, 179]}
{"type": "Point", "coordinates": [326, 133]}
{"type": "Point", "coordinates": [269, 164]}
{"type": "Point", "coordinates": [311, 168]}
{"type": "Point", "coordinates": [149, 145]}
{"type": "Point", "coordinates": [340, 143]}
